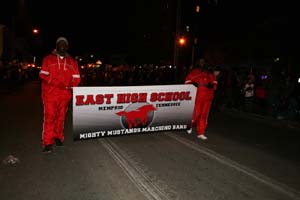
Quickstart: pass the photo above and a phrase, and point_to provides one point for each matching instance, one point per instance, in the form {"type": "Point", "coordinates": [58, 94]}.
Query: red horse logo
{"type": "Point", "coordinates": [138, 116]}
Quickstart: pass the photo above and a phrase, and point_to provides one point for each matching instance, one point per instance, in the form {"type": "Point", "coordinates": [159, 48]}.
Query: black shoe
{"type": "Point", "coordinates": [59, 143]}
{"type": "Point", "coordinates": [47, 149]}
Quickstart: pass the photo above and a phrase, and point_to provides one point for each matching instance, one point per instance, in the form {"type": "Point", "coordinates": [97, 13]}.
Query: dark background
{"type": "Point", "coordinates": [145, 31]}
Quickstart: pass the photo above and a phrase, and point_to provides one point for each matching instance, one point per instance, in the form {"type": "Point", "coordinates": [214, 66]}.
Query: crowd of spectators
{"type": "Point", "coordinates": [273, 94]}
{"type": "Point", "coordinates": [13, 75]}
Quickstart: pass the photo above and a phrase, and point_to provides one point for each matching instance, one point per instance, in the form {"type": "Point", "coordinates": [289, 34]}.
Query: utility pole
{"type": "Point", "coordinates": [2, 27]}
{"type": "Point", "coordinates": [178, 22]}
{"type": "Point", "coordinates": [193, 49]}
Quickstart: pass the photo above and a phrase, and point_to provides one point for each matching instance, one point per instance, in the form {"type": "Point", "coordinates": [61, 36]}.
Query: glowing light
{"type": "Point", "coordinates": [182, 41]}
{"type": "Point", "coordinates": [187, 28]}
{"type": "Point", "coordinates": [35, 31]}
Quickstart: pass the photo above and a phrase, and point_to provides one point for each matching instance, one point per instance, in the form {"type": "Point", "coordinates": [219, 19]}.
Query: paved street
{"type": "Point", "coordinates": [246, 157]}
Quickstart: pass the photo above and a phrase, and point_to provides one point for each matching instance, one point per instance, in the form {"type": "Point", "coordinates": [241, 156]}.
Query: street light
{"type": "Point", "coordinates": [35, 31]}
{"type": "Point", "coordinates": [179, 42]}
{"type": "Point", "coordinates": [182, 41]}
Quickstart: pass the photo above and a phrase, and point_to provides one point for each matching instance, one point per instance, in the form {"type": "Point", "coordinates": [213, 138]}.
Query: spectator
{"type": "Point", "coordinates": [249, 94]}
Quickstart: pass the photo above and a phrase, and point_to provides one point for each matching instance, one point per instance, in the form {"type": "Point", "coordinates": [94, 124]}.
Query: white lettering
{"type": "Point", "coordinates": [91, 135]}
{"type": "Point", "coordinates": [179, 127]}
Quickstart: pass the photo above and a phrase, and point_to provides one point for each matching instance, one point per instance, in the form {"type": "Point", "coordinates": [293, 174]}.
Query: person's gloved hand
{"type": "Point", "coordinates": [209, 85]}
{"type": "Point", "coordinates": [195, 84]}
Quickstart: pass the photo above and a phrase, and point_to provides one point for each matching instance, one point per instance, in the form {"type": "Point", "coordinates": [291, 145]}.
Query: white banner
{"type": "Point", "coordinates": [113, 111]}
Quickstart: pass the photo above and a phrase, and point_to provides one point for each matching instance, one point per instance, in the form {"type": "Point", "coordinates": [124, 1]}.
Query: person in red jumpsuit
{"type": "Point", "coordinates": [205, 81]}
{"type": "Point", "coordinates": [58, 74]}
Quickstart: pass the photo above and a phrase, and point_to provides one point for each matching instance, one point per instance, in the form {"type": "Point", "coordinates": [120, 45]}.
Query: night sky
{"type": "Point", "coordinates": [102, 26]}
{"type": "Point", "coordinates": [90, 26]}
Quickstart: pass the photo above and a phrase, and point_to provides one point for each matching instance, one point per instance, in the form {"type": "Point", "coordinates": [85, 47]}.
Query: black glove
{"type": "Point", "coordinates": [195, 84]}
{"type": "Point", "coordinates": [210, 85]}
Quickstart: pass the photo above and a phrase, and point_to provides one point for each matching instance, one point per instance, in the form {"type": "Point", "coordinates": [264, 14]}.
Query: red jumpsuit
{"type": "Point", "coordinates": [58, 75]}
{"type": "Point", "coordinates": [204, 96]}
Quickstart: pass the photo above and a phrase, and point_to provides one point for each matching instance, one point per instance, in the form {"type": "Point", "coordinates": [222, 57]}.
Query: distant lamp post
{"type": "Point", "coordinates": [182, 41]}
{"type": "Point", "coordinates": [35, 31]}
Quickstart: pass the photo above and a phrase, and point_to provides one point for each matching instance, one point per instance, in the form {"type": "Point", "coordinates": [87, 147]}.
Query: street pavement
{"type": "Point", "coordinates": [246, 156]}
